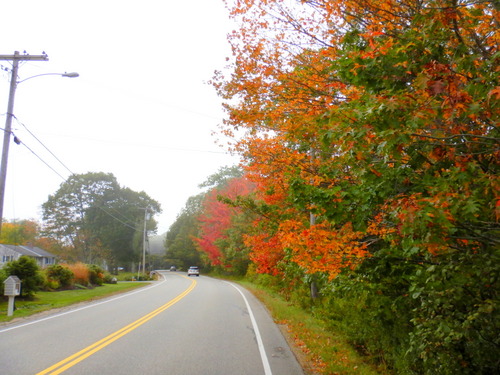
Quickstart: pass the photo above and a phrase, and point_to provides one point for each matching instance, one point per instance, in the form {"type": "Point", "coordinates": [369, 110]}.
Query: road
{"type": "Point", "coordinates": [175, 326]}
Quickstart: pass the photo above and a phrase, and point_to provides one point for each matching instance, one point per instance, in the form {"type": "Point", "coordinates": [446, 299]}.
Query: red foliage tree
{"type": "Point", "coordinates": [216, 217]}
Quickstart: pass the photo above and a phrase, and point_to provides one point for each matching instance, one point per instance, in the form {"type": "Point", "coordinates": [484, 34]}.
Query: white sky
{"type": "Point", "coordinates": [141, 108]}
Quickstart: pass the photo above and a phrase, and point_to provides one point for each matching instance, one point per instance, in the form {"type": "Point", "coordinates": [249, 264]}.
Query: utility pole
{"type": "Point", "coordinates": [312, 222]}
{"type": "Point", "coordinates": [15, 58]}
{"type": "Point", "coordinates": [144, 240]}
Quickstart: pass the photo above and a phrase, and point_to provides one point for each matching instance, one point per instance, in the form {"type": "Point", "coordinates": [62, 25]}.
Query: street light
{"type": "Point", "coordinates": [8, 126]}
{"type": "Point", "coordinates": [69, 75]}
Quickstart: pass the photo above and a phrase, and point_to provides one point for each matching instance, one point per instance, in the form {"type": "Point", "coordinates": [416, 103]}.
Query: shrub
{"type": "Point", "coordinates": [96, 274]}
{"type": "Point", "coordinates": [51, 285]}
{"type": "Point", "coordinates": [3, 275]}
{"type": "Point", "coordinates": [81, 273]}
{"type": "Point", "coordinates": [58, 273]}
{"type": "Point", "coordinates": [28, 272]}
{"type": "Point", "coordinates": [109, 279]}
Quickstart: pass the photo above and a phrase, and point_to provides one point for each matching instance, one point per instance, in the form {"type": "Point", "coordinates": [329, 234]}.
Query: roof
{"type": "Point", "coordinates": [31, 251]}
{"type": "Point", "coordinates": [37, 250]}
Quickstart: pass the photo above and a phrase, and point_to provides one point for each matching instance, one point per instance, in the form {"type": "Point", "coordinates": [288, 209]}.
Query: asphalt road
{"type": "Point", "coordinates": [176, 326]}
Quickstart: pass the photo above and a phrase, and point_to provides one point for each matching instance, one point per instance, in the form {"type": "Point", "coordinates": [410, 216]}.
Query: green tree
{"type": "Point", "coordinates": [28, 272]}
{"type": "Point", "coordinates": [118, 223]}
{"type": "Point", "coordinates": [181, 250]}
{"type": "Point", "coordinates": [222, 176]}
{"type": "Point", "coordinates": [97, 217]}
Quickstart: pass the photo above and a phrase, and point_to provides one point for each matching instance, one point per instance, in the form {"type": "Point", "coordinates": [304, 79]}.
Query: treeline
{"type": "Point", "coordinates": [90, 219]}
{"type": "Point", "coordinates": [369, 190]}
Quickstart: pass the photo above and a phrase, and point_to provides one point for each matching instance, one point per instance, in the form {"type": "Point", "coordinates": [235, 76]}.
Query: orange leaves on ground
{"type": "Point", "coordinates": [495, 93]}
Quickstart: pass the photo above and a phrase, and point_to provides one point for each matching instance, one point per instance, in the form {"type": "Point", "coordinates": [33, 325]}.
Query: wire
{"type": "Point", "coordinates": [127, 224]}
{"type": "Point", "coordinates": [34, 153]}
{"type": "Point", "coordinates": [117, 219]}
{"type": "Point", "coordinates": [110, 141]}
{"type": "Point", "coordinates": [19, 142]}
{"type": "Point", "coordinates": [113, 142]}
{"type": "Point", "coordinates": [33, 135]}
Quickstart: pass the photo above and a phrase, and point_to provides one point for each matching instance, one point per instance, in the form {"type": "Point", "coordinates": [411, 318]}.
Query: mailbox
{"type": "Point", "coordinates": [12, 286]}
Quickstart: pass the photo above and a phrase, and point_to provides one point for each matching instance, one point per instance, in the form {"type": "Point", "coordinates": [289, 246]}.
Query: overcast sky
{"type": "Point", "coordinates": [141, 108]}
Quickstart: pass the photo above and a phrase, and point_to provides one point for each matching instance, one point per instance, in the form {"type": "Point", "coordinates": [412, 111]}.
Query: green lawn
{"type": "Point", "coordinates": [49, 300]}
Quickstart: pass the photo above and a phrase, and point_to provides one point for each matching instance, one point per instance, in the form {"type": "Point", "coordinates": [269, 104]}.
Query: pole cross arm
{"type": "Point", "coordinates": [17, 56]}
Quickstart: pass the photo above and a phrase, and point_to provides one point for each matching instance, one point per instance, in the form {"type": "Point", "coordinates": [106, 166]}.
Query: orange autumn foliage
{"type": "Point", "coordinates": [267, 252]}
{"type": "Point", "coordinates": [80, 271]}
{"type": "Point", "coordinates": [321, 248]}
{"type": "Point", "coordinates": [335, 97]}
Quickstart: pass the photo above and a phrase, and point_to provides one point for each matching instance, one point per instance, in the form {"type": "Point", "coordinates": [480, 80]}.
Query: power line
{"type": "Point", "coordinates": [18, 141]}
{"type": "Point", "coordinates": [33, 135]}
{"type": "Point", "coordinates": [117, 219]}
{"type": "Point", "coordinates": [112, 141]}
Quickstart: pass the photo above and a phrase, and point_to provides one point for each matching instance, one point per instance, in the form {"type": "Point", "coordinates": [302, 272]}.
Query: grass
{"type": "Point", "coordinates": [318, 349]}
{"type": "Point", "coordinates": [44, 301]}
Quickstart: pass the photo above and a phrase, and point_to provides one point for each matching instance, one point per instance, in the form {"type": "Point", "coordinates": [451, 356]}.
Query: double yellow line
{"type": "Point", "coordinates": [89, 350]}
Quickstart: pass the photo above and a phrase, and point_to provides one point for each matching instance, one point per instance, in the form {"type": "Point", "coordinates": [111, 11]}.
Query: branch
{"type": "Point", "coordinates": [456, 136]}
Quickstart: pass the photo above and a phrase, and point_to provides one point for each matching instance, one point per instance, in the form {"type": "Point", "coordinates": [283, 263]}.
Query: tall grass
{"type": "Point", "coordinates": [81, 272]}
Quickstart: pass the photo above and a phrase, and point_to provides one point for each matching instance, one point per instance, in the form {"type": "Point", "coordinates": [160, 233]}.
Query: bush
{"type": "Point", "coordinates": [28, 272]}
{"type": "Point", "coordinates": [51, 285]}
{"type": "Point", "coordinates": [81, 273]}
{"type": "Point", "coordinates": [3, 276]}
{"type": "Point", "coordinates": [96, 274]}
{"type": "Point", "coordinates": [110, 279]}
{"type": "Point", "coordinates": [62, 275]}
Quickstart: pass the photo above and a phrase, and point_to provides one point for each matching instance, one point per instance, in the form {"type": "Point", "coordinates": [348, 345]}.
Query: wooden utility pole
{"type": "Point", "coordinates": [15, 58]}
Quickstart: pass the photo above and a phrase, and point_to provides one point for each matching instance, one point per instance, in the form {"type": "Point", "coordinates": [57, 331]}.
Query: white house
{"type": "Point", "coordinates": [12, 252]}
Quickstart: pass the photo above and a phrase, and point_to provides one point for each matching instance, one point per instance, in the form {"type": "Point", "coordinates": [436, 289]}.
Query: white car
{"type": "Point", "coordinates": [194, 271]}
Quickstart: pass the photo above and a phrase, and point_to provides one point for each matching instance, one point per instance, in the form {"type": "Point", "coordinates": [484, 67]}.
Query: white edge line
{"type": "Point", "coordinates": [260, 344]}
{"type": "Point", "coordinates": [84, 307]}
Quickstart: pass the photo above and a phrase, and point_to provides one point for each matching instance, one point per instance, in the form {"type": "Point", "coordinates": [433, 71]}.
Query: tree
{"type": "Point", "coordinates": [20, 232]}
{"type": "Point", "coordinates": [222, 225]}
{"type": "Point", "coordinates": [181, 250]}
{"type": "Point", "coordinates": [28, 272]}
{"type": "Point", "coordinates": [370, 129]}
{"type": "Point", "coordinates": [98, 218]}
{"type": "Point", "coordinates": [210, 229]}
{"type": "Point", "coordinates": [119, 224]}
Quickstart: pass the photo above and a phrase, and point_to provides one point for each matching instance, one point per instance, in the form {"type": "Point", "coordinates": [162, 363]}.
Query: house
{"type": "Point", "coordinates": [12, 252]}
